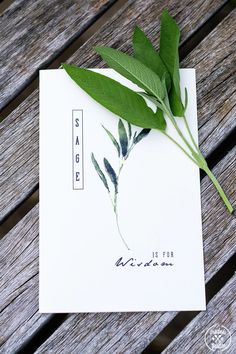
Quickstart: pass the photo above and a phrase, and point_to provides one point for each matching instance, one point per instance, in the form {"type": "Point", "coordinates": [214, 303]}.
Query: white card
{"type": "Point", "coordinates": [154, 209]}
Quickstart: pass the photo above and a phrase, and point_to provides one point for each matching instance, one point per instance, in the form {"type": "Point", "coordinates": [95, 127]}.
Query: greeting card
{"type": "Point", "coordinates": [120, 212]}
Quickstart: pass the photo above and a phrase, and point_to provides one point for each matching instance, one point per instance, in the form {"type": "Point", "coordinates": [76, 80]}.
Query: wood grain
{"type": "Point", "coordinates": [33, 33]}
{"type": "Point", "coordinates": [214, 61]}
{"type": "Point", "coordinates": [19, 284]}
{"type": "Point", "coordinates": [19, 248]}
{"type": "Point", "coordinates": [221, 311]}
{"type": "Point", "coordinates": [19, 131]}
{"type": "Point", "coordinates": [101, 332]}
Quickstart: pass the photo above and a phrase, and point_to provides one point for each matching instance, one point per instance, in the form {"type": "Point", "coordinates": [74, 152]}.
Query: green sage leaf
{"type": "Point", "coordinates": [113, 139]}
{"type": "Point", "coordinates": [115, 97]}
{"type": "Point", "coordinates": [166, 99]}
{"type": "Point", "coordinates": [141, 135]}
{"type": "Point", "coordinates": [146, 53]}
{"type": "Point", "coordinates": [123, 138]}
{"type": "Point", "coordinates": [150, 98]}
{"type": "Point", "coordinates": [169, 53]}
{"type": "Point", "coordinates": [159, 115]}
{"type": "Point", "coordinates": [111, 173]}
{"type": "Point", "coordinates": [133, 70]}
{"type": "Point", "coordinates": [99, 171]}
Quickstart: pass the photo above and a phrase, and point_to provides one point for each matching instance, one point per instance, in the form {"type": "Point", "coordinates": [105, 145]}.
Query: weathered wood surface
{"type": "Point", "coordinates": [214, 61]}
{"type": "Point", "coordinates": [220, 311]}
{"type": "Point", "coordinates": [33, 33]}
{"type": "Point", "coordinates": [20, 129]}
{"type": "Point", "coordinates": [100, 332]}
{"type": "Point", "coordinates": [19, 283]}
{"type": "Point", "coordinates": [19, 248]}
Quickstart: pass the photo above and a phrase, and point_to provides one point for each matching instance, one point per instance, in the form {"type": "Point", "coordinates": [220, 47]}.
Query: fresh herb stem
{"type": "Point", "coordinates": [219, 189]}
{"type": "Point", "coordinates": [198, 158]}
{"type": "Point", "coordinates": [179, 146]}
{"type": "Point", "coordinates": [157, 74]}
{"type": "Point", "coordinates": [190, 134]}
{"type": "Point", "coordinates": [172, 119]}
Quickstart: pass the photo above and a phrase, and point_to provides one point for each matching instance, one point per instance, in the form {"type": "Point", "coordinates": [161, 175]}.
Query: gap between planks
{"type": "Point", "coordinates": [4, 5]}
{"type": "Point", "coordinates": [188, 45]}
{"type": "Point", "coordinates": [215, 256]}
{"type": "Point", "coordinates": [185, 48]}
{"type": "Point", "coordinates": [63, 56]}
{"type": "Point", "coordinates": [164, 338]}
{"type": "Point", "coordinates": [221, 311]}
{"type": "Point", "coordinates": [7, 217]}
{"type": "Point", "coordinates": [182, 319]}
{"type": "Point", "coordinates": [16, 215]}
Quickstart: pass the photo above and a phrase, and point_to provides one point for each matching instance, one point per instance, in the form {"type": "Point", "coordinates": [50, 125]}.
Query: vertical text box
{"type": "Point", "coordinates": [77, 149]}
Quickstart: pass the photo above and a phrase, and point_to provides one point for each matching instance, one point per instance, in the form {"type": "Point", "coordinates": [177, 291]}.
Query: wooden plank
{"type": "Point", "coordinates": [20, 159]}
{"type": "Point", "coordinates": [84, 333]}
{"type": "Point", "coordinates": [20, 128]}
{"type": "Point", "coordinates": [33, 33]}
{"type": "Point", "coordinates": [221, 311]}
{"type": "Point", "coordinates": [24, 51]}
{"type": "Point", "coordinates": [19, 283]}
{"type": "Point", "coordinates": [216, 82]}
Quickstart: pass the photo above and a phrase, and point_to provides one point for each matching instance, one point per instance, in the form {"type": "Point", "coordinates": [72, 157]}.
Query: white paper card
{"type": "Point", "coordinates": [153, 209]}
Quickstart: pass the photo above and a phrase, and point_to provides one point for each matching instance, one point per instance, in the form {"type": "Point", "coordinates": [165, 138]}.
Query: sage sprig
{"type": "Point", "coordinates": [157, 74]}
{"type": "Point", "coordinates": [124, 146]}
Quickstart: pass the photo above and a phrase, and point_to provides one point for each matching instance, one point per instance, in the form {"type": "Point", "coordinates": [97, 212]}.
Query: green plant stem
{"type": "Point", "coordinates": [179, 146]}
{"type": "Point", "coordinates": [172, 119]}
{"type": "Point", "coordinates": [190, 134]}
{"type": "Point", "coordinates": [219, 188]}
{"type": "Point", "coordinates": [198, 158]}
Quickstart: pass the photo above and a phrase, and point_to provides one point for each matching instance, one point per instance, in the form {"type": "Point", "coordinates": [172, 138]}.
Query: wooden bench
{"type": "Point", "coordinates": [40, 34]}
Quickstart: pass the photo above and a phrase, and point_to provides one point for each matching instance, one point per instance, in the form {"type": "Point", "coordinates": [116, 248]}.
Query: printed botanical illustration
{"type": "Point", "coordinates": [123, 145]}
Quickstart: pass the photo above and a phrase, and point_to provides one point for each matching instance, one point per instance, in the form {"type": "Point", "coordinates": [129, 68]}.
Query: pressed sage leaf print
{"type": "Point", "coordinates": [128, 144]}
{"type": "Point", "coordinates": [169, 53]}
{"type": "Point", "coordinates": [99, 171]}
{"type": "Point", "coordinates": [185, 99]}
{"type": "Point", "coordinates": [146, 53]}
{"type": "Point", "coordinates": [112, 95]}
{"type": "Point", "coordinates": [111, 174]}
{"type": "Point", "coordinates": [141, 135]}
{"type": "Point", "coordinates": [113, 139]}
{"type": "Point", "coordinates": [123, 138]}
{"type": "Point", "coordinates": [130, 130]}
{"type": "Point", "coordinates": [135, 134]}
{"type": "Point", "coordinates": [133, 70]}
